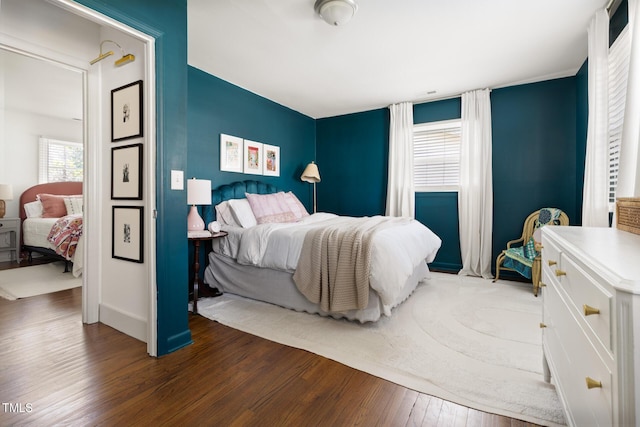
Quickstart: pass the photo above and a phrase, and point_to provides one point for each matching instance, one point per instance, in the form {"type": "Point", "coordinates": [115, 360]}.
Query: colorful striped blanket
{"type": "Point", "coordinates": [64, 235]}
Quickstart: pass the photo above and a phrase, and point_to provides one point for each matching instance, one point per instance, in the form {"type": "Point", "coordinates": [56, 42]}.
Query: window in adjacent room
{"type": "Point", "coordinates": [436, 156]}
{"type": "Point", "coordinates": [618, 72]}
{"type": "Point", "coordinates": [59, 161]}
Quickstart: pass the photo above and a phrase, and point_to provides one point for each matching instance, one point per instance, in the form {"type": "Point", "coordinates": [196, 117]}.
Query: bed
{"type": "Point", "coordinates": [51, 222]}
{"type": "Point", "coordinates": [277, 260]}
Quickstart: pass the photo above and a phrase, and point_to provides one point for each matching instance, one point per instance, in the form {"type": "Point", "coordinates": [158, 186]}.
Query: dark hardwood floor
{"type": "Point", "coordinates": [56, 371]}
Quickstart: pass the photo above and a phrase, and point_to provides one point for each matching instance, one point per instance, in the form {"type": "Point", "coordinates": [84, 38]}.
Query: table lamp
{"type": "Point", "coordinates": [6, 193]}
{"type": "Point", "coordinates": [198, 193]}
{"type": "Point", "coordinates": [312, 175]}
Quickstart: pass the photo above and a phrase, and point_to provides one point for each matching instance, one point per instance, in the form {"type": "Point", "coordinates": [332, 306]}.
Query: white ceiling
{"type": "Point", "coordinates": [391, 51]}
{"type": "Point", "coordinates": [40, 87]}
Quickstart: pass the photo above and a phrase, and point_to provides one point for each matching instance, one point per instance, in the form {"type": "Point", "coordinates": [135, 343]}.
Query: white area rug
{"type": "Point", "coordinates": [26, 282]}
{"type": "Point", "coordinates": [466, 340]}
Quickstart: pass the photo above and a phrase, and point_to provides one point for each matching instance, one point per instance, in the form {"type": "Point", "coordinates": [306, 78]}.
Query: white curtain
{"type": "Point", "coordinates": [400, 188]}
{"type": "Point", "coordinates": [595, 201]}
{"type": "Point", "coordinates": [628, 173]}
{"type": "Point", "coordinates": [475, 197]}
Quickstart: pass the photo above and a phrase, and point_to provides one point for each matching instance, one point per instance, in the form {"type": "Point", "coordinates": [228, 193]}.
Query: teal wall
{"type": "Point", "coordinates": [535, 162]}
{"type": "Point", "coordinates": [534, 154]}
{"type": "Point", "coordinates": [167, 22]}
{"type": "Point", "coordinates": [216, 106]}
{"type": "Point", "coordinates": [352, 152]}
{"type": "Point", "coordinates": [439, 210]}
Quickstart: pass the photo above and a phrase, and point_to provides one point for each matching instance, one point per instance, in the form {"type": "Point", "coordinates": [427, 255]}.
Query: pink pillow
{"type": "Point", "coordinates": [295, 205]}
{"type": "Point", "coordinates": [52, 205]}
{"type": "Point", "coordinates": [269, 208]}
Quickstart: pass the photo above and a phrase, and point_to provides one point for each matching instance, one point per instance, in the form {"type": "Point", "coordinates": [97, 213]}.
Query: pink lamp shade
{"type": "Point", "coordinates": [198, 193]}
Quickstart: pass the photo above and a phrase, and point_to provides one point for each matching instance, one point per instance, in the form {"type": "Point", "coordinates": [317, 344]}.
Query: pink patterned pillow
{"type": "Point", "coordinates": [52, 205]}
{"type": "Point", "coordinates": [269, 208]}
{"type": "Point", "coordinates": [295, 205]}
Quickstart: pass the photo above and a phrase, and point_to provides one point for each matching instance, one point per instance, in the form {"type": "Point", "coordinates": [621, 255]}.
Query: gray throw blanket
{"type": "Point", "coordinates": [333, 268]}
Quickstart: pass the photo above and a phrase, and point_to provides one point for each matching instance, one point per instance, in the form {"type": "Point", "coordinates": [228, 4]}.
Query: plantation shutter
{"type": "Point", "coordinates": [436, 156]}
{"type": "Point", "coordinates": [618, 75]}
{"type": "Point", "coordinates": [59, 161]}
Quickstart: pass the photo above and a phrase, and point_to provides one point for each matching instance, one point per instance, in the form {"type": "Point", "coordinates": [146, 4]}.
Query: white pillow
{"type": "Point", "coordinates": [33, 209]}
{"type": "Point", "coordinates": [224, 215]}
{"type": "Point", "coordinates": [73, 204]}
{"type": "Point", "coordinates": [242, 212]}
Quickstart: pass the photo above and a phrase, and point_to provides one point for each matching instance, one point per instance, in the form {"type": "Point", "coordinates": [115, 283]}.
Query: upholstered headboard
{"type": "Point", "coordinates": [235, 190]}
{"type": "Point", "coordinates": [61, 188]}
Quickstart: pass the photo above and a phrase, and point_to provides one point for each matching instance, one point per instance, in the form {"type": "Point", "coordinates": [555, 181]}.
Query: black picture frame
{"type": "Point", "coordinates": [126, 112]}
{"type": "Point", "coordinates": [127, 233]}
{"type": "Point", "coordinates": [126, 172]}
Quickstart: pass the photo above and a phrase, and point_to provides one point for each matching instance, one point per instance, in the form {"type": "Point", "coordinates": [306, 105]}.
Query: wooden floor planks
{"type": "Point", "coordinates": [75, 374]}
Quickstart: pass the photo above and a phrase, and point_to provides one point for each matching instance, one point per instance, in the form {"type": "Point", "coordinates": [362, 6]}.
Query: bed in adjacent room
{"type": "Point", "coordinates": [276, 252]}
{"type": "Point", "coordinates": [51, 222]}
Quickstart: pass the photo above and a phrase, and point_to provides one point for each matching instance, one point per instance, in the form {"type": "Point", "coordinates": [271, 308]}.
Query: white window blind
{"type": "Point", "coordinates": [59, 161]}
{"type": "Point", "coordinates": [436, 156]}
{"type": "Point", "coordinates": [618, 74]}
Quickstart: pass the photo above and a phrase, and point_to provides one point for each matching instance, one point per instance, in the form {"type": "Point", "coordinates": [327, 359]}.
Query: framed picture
{"type": "Point", "coordinates": [271, 160]}
{"type": "Point", "coordinates": [252, 157]}
{"type": "Point", "coordinates": [230, 153]}
{"type": "Point", "coordinates": [126, 112]}
{"type": "Point", "coordinates": [126, 172]}
{"type": "Point", "coordinates": [127, 233]}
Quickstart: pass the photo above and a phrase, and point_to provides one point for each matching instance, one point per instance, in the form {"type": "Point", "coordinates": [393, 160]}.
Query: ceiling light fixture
{"type": "Point", "coordinates": [126, 57]}
{"type": "Point", "coordinates": [336, 12]}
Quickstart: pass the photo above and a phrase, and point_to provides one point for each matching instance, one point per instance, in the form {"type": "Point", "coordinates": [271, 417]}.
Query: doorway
{"type": "Point", "coordinates": [73, 39]}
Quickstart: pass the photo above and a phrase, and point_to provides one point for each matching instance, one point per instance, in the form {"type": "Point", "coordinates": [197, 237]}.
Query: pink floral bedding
{"type": "Point", "coordinates": [64, 235]}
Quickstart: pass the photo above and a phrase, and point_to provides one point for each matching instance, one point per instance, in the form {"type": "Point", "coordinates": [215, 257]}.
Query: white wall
{"type": "Point", "coordinates": [46, 30]}
{"type": "Point", "coordinates": [31, 91]}
{"type": "Point", "coordinates": [124, 302]}
{"type": "Point", "coordinates": [20, 147]}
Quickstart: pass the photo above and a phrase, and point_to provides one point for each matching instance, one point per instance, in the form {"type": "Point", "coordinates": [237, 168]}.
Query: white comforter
{"type": "Point", "coordinates": [396, 250]}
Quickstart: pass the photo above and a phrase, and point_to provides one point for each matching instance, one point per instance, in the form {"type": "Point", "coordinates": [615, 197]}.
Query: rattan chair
{"type": "Point", "coordinates": [530, 226]}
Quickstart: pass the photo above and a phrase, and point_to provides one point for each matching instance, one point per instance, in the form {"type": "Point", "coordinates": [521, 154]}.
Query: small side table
{"type": "Point", "coordinates": [11, 226]}
{"type": "Point", "coordinates": [196, 263]}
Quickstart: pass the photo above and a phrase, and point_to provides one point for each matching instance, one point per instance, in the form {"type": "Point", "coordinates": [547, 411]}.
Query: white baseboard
{"type": "Point", "coordinates": [124, 322]}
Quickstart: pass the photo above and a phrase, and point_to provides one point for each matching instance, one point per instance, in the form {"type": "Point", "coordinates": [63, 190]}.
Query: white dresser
{"type": "Point", "coordinates": [591, 323]}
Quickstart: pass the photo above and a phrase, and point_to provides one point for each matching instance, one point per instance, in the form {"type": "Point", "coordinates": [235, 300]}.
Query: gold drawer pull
{"type": "Point", "coordinates": [542, 325]}
{"type": "Point", "coordinates": [543, 285]}
{"type": "Point", "coordinates": [552, 263]}
{"type": "Point", "coordinates": [561, 273]}
{"type": "Point", "coordinates": [588, 310]}
{"type": "Point", "coordinates": [591, 383]}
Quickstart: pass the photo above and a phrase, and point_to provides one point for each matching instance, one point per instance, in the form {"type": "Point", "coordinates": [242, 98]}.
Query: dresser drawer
{"type": "Point", "coordinates": [550, 253]}
{"type": "Point", "coordinates": [590, 301]}
{"type": "Point", "coordinates": [8, 224]}
{"type": "Point", "coordinates": [572, 358]}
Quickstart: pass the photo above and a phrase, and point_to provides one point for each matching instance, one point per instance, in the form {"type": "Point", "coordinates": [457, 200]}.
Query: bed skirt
{"type": "Point", "coordinates": [277, 287]}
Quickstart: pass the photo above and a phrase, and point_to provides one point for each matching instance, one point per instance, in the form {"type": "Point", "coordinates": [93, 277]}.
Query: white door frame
{"type": "Point", "coordinates": [93, 215]}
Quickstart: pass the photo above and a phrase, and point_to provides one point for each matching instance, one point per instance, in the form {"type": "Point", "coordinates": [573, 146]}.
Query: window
{"type": "Point", "coordinates": [436, 156]}
{"type": "Point", "coordinates": [60, 161]}
{"type": "Point", "coordinates": [618, 73]}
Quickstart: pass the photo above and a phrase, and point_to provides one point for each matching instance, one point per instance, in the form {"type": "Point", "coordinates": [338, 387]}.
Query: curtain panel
{"type": "Point", "coordinates": [595, 200]}
{"type": "Point", "coordinates": [400, 187]}
{"type": "Point", "coordinates": [475, 197]}
{"type": "Point", "coordinates": [629, 172]}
